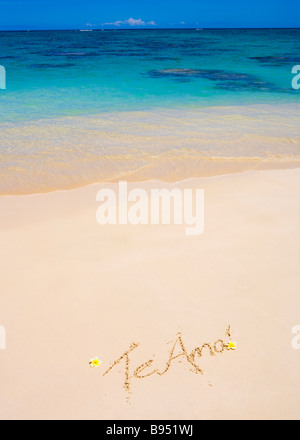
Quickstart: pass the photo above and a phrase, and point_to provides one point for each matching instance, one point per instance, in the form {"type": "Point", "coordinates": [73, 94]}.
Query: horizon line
{"type": "Point", "coordinates": [146, 28]}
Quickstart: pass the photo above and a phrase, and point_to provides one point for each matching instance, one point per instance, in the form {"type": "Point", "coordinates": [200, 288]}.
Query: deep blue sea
{"type": "Point", "coordinates": [74, 73]}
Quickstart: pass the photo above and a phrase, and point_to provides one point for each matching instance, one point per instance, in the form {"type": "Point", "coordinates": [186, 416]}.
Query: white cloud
{"type": "Point", "coordinates": [131, 22]}
{"type": "Point", "coordinates": [134, 22]}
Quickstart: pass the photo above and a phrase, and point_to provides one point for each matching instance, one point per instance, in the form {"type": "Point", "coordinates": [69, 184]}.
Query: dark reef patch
{"type": "Point", "coordinates": [230, 81]}
{"type": "Point", "coordinates": [275, 61]}
{"type": "Point", "coordinates": [8, 57]}
{"type": "Point", "coordinates": [51, 66]}
{"type": "Point", "coordinates": [162, 58]}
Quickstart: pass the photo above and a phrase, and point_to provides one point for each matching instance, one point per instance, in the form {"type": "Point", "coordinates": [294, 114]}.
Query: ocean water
{"type": "Point", "coordinates": [91, 106]}
{"type": "Point", "coordinates": [74, 73]}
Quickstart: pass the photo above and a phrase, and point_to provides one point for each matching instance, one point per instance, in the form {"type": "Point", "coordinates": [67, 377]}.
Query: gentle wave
{"type": "Point", "coordinates": [170, 145]}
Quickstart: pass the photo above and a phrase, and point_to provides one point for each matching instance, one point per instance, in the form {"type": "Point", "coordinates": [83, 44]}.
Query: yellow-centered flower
{"type": "Point", "coordinates": [95, 362]}
{"type": "Point", "coordinates": [231, 346]}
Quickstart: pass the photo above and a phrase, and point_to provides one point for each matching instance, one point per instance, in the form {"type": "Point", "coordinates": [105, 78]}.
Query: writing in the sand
{"type": "Point", "coordinates": [178, 350]}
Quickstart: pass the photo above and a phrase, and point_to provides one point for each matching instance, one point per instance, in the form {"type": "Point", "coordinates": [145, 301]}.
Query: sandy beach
{"type": "Point", "coordinates": [72, 290]}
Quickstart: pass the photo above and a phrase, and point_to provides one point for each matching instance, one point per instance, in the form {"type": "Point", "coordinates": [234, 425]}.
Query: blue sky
{"type": "Point", "coordinates": [70, 14]}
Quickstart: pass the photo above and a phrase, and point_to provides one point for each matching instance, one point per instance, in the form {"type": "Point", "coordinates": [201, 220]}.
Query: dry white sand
{"type": "Point", "coordinates": [71, 290]}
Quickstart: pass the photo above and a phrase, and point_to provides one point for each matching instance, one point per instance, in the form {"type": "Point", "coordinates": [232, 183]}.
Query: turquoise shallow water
{"type": "Point", "coordinates": [62, 73]}
{"type": "Point", "coordinates": [84, 107]}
